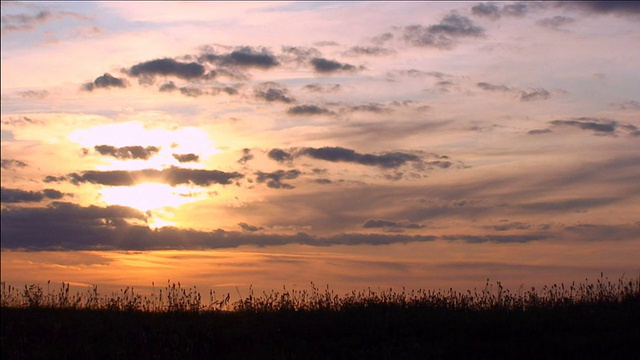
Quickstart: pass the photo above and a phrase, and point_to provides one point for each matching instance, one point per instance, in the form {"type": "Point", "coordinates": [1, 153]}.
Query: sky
{"type": "Point", "coordinates": [229, 145]}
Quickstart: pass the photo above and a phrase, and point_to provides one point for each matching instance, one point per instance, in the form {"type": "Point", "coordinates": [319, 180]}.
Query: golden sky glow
{"type": "Point", "coordinates": [223, 144]}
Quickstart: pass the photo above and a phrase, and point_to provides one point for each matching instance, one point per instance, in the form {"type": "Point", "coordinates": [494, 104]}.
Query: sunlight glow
{"type": "Point", "coordinates": [180, 141]}
{"type": "Point", "coordinates": [145, 197]}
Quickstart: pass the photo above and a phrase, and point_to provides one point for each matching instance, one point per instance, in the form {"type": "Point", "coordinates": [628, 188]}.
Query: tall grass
{"type": "Point", "coordinates": [175, 298]}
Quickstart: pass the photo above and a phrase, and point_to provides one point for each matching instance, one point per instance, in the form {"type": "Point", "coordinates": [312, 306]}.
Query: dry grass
{"type": "Point", "coordinates": [175, 298]}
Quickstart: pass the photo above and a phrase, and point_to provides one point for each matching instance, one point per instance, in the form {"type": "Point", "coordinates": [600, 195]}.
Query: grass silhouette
{"type": "Point", "coordinates": [587, 320]}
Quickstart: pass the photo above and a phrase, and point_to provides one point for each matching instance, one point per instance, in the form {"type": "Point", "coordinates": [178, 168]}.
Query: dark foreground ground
{"type": "Point", "coordinates": [577, 331]}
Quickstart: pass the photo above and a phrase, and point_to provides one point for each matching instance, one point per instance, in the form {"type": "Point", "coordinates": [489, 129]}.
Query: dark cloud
{"type": "Point", "coordinates": [183, 158]}
{"type": "Point", "coordinates": [274, 179]}
{"type": "Point", "coordinates": [339, 154]}
{"type": "Point", "coordinates": [599, 126]}
{"type": "Point", "coordinates": [623, 8]}
{"type": "Point", "coordinates": [65, 226]}
{"type": "Point", "coordinates": [245, 57]}
{"type": "Point", "coordinates": [525, 95]}
{"type": "Point", "coordinates": [371, 107]}
{"type": "Point", "coordinates": [104, 82]}
{"type": "Point", "coordinates": [11, 196]}
{"type": "Point", "coordinates": [323, 88]}
{"type": "Point", "coordinates": [299, 54]}
{"type": "Point", "coordinates": [519, 9]}
{"type": "Point", "coordinates": [322, 65]}
{"type": "Point", "coordinates": [492, 87]}
{"type": "Point", "coordinates": [443, 35]}
{"type": "Point", "coordinates": [628, 105]}
{"type": "Point", "coordinates": [24, 22]}
{"type": "Point", "coordinates": [271, 92]}
{"type": "Point", "coordinates": [534, 94]}
{"type": "Point", "coordinates": [167, 67]}
{"type": "Point", "coordinates": [539, 131]}
{"type": "Point", "coordinates": [55, 179]}
{"type": "Point", "coordinates": [250, 228]}
{"type": "Point", "coordinates": [475, 239]}
{"type": "Point", "coordinates": [509, 226]}
{"type": "Point", "coordinates": [600, 232]}
{"type": "Point", "coordinates": [577, 205]}
{"type": "Point", "coordinates": [382, 38]}
{"type": "Point", "coordinates": [370, 224]}
{"type": "Point", "coordinates": [12, 164]}
{"type": "Point", "coordinates": [34, 94]}
{"type": "Point", "coordinates": [127, 152]}
{"type": "Point", "coordinates": [555, 22]}
{"type": "Point", "coordinates": [246, 156]}
{"type": "Point", "coordinates": [168, 87]}
{"type": "Point", "coordinates": [308, 110]}
{"type": "Point", "coordinates": [191, 92]}
{"type": "Point", "coordinates": [172, 176]}
{"type": "Point", "coordinates": [279, 155]}
{"type": "Point", "coordinates": [367, 50]}
{"type": "Point", "coordinates": [487, 10]}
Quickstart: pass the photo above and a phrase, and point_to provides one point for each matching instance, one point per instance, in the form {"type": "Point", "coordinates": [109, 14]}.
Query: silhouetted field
{"type": "Point", "coordinates": [587, 321]}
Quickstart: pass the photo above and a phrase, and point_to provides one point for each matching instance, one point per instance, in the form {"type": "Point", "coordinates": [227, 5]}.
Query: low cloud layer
{"type": "Point", "coordinates": [127, 152]}
{"type": "Point", "coordinates": [172, 176]}
{"type": "Point", "coordinates": [444, 35]}
{"type": "Point", "coordinates": [104, 82]}
{"type": "Point", "coordinates": [12, 196]}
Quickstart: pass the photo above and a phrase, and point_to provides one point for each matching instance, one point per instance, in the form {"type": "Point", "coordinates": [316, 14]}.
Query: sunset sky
{"type": "Point", "coordinates": [355, 144]}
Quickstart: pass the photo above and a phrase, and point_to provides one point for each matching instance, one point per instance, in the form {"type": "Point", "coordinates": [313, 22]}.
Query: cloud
{"type": "Point", "coordinates": [246, 156]}
{"type": "Point", "coordinates": [249, 228]}
{"type": "Point", "coordinates": [273, 92]}
{"type": "Point", "coordinates": [299, 54]}
{"type": "Point", "coordinates": [172, 176]}
{"type": "Point", "coordinates": [369, 51]}
{"type": "Point", "coordinates": [191, 92]}
{"type": "Point", "coordinates": [34, 94]}
{"type": "Point", "coordinates": [534, 94]}
{"type": "Point", "coordinates": [245, 57]}
{"type": "Point", "coordinates": [555, 22]}
{"type": "Point", "coordinates": [308, 110]}
{"type": "Point", "coordinates": [104, 82]}
{"type": "Point", "coordinates": [279, 155]}
{"type": "Point", "coordinates": [12, 164]}
{"type": "Point", "coordinates": [127, 152]}
{"type": "Point", "coordinates": [509, 226]}
{"type": "Point", "coordinates": [444, 35]}
{"type": "Point", "coordinates": [323, 88]}
{"type": "Point", "coordinates": [598, 126]}
{"type": "Point", "coordinates": [575, 205]}
{"type": "Point", "coordinates": [621, 8]}
{"type": "Point", "coordinates": [11, 196]}
{"type": "Point", "coordinates": [183, 158]}
{"type": "Point", "coordinates": [322, 65]}
{"type": "Point", "coordinates": [274, 179]}
{"type": "Point", "coordinates": [519, 9]}
{"type": "Point", "coordinates": [382, 38]}
{"type": "Point", "coordinates": [628, 105]}
{"type": "Point", "coordinates": [525, 95]}
{"type": "Point", "coordinates": [501, 239]}
{"type": "Point", "coordinates": [24, 22]}
{"type": "Point", "coordinates": [372, 224]}
{"type": "Point", "coordinates": [539, 131]}
{"type": "Point", "coordinates": [371, 107]}
{"type": "Point", "coordinates": [168, 87]}
{"type": "Point", "coordinates": [492, 87]}
{"type": "Point", "coordinates": [339, 154]}
{"type": "Point", "coordinates": [66, 226]}
{"type": "Point", "coordinates": [167, 67]}
{"type": "Point", "coordinates": [487, 10]}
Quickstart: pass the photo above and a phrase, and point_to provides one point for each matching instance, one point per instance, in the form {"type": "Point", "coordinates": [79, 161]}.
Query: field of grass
{"type": "Point", "coordinates": [592, 320]}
